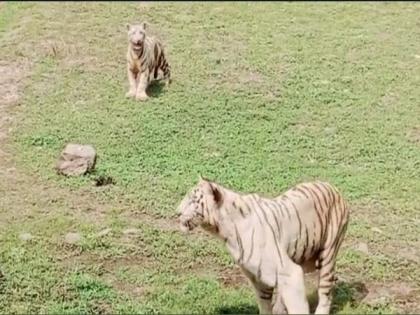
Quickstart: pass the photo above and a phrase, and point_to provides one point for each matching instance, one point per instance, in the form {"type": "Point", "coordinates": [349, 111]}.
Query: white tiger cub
{"type": "Point", "coordinates": [275, 241]}
{"type": "Point", "coordinates": [145, 57]}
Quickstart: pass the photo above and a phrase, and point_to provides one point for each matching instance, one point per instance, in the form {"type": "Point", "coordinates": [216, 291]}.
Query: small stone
{"type": "Point", "coordinates": [104, 232]}
{"type": "Point", "coordinates": [417, 56]}
{"type": "Point", "coordinates": [363, 247]}
{"type": "Point", "coordinates": [330, 130]}
{"type": "Point", "coordinates": [131, 231]}
{"type": "Point", "coordinates": [72, 238]}
{"type": "Point", "coordinates": [377, 230]}
{"type": "Point", "coordinates": [25, 237]}
{"type": "Point", "coordinates": [76, 160]}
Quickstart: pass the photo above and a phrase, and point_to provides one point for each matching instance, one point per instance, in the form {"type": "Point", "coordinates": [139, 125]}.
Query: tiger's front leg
{"type": "Point", "coordinates": [142, 86]}
{"type": "Point", "coordinates": [264, 299]}
{"type": "Point", "coordinates": [132, 80]}
{"type": "Point", "coordinates": [292, 290]}
{"type": "Point", "coordinates": [263, 293]}
{"type": "Point", "coordinates": [278, 303]}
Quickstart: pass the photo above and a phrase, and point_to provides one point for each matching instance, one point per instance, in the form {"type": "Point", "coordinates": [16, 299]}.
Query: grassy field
{"type": "Point", "coordinates": [263, 96]}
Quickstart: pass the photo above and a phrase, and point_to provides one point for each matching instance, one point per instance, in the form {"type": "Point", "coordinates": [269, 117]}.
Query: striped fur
{"type": "Point", "coordinates": [275, 240]}
{"type": "Point", "coordinates": [145, 57]}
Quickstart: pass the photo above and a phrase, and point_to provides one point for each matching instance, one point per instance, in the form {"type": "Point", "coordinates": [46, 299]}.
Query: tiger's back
{"type": "Point", "coordinates": [317, 215]}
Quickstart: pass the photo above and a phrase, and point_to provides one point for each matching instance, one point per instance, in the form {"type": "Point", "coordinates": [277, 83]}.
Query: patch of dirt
{"type": "Point", "coordinates": [400, 294]}
{"type": "Point", "coordinates": [23, 196]}
{"type": "Point", "coordinates": [126, 287]}
{"type": "Point", "coordinates": [107, 268]}
{"type": "Point", "coordinates": [251, 77]}
{"type": "Point", "coordinates": [232, 77]}
{"type": "Point", "coordinates": [232, 277]}
{"type": "Point", "coordinates": [140, 216]}
{"type": "Point", "coordinates": [11, 76]}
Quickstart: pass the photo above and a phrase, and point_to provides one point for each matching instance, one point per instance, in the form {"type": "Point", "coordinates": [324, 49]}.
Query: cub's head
{"type": "Point", "coordinates": [136, 35]}
{"type": "Point", "coordinates": [199, 206]}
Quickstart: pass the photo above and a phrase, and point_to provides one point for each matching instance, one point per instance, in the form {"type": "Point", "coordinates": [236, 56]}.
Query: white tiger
{"type": "Point", "coordinates": [145, 57]}
{"type": "Point", "coordinates": [275, 241]}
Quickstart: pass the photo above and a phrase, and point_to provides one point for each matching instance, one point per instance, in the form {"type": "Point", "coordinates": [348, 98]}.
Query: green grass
{"type": "Point", "coordinates": [263, 96]}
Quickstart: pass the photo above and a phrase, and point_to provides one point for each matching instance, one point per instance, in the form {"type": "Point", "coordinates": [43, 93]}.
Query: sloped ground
{"type": "Point", "coordinates": [264, 96]}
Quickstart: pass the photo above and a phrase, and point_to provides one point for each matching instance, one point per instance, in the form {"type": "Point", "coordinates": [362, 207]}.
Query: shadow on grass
{"type": "Point", "coordinates": [156, 88]}
{"type": "Point", "coordinates": [352, 292]}
{"type": "Point", "coordinates": [344, 293]}
{"type": "Point", "coordinates": [238, 309]}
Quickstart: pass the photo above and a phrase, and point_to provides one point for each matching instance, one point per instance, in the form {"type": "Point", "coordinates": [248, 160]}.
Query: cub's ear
{"type": "Point", "coordinates": [128, 26]}
{"type": "Point", "coordinates": [217, 195]}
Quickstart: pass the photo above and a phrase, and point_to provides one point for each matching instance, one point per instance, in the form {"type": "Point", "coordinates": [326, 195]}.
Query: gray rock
{"type": "Point", "coordinates": [377, 230]}
{"type": "Point", "coordinates": [72, 238]}
{"type": "Point", "coordinates": [76, 160]}
{"type": "Point", "coordinates": [330, 130]}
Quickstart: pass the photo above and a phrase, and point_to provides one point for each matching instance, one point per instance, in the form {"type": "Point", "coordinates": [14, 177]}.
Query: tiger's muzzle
{"type": "Point", "coordinates": [136, 45]}
{"type": "Point", "coordinates": [186, 224]}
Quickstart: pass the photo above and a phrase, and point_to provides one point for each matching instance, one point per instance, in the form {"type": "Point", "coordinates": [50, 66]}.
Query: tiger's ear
{"type": "Point", "coordinates": [217, 195]}
{"type": "Point", "coordinates": [203, 179]}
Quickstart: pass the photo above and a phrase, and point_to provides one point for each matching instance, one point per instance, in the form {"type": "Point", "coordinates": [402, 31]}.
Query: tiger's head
{"type": "Point", "coordinates": [136, 35]}
{"type": "Point", "coordinates": [199, 206]}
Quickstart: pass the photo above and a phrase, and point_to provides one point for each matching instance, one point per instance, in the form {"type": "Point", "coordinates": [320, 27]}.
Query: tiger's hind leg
{"type": "Point", "coordinates": [327, 278]}
{"type": "Point", "coordinates": [167, 75]}
{"type": "Point", "coordinates": [166, 69]}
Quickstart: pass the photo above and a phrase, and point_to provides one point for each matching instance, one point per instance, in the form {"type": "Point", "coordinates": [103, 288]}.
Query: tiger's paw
{"type": "Point", "coordinates": [130, 94]}
{"type": "Point", "coordinates": [142, 97]}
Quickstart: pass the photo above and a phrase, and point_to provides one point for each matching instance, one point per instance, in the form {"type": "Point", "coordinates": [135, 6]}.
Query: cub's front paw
{"type": "Point", "coordinates": [130, 94]}
{"type": "Point", "coordinates": [142, 97]}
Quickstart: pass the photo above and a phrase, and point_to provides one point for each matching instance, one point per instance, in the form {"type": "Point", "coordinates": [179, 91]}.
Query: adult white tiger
{"type": "Point", "coordinates": [145, 57]}
{"type": "Point", "coordinates": [275, 241]}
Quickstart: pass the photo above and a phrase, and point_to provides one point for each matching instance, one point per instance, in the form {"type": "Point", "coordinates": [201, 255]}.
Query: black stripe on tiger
{"type": "Point", "coordinates": [240, 245]}
{"type": "Point", "coordinates": [252, 245]}
{"type": "Point", "coordinates": [318, 209]}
